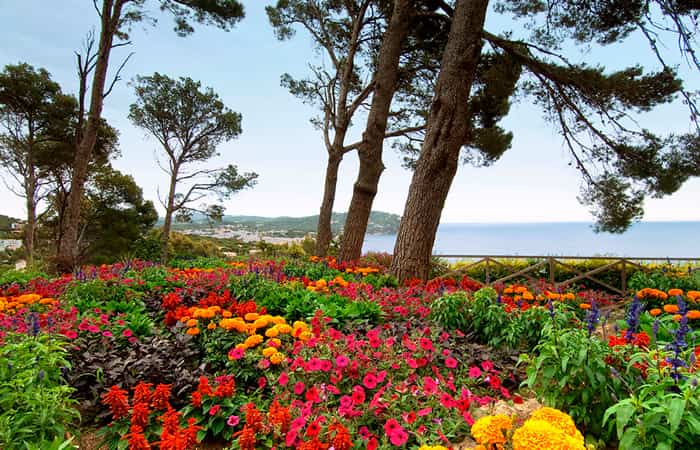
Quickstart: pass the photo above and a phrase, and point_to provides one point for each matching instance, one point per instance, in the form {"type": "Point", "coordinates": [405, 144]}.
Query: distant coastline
{"type": "Point", "coordinates": [657, 239]}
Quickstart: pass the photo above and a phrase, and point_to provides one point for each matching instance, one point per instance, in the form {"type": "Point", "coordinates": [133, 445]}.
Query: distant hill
{"type": "Point", "coordinates": [379, 223]}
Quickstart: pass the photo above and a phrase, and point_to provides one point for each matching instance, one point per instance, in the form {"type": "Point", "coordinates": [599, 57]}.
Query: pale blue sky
{"type": "Point", "coordinates": [531, 183]}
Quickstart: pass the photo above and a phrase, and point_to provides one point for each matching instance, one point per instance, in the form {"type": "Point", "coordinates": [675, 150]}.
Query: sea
{"type": "Point", "coordinates": [643, 240]}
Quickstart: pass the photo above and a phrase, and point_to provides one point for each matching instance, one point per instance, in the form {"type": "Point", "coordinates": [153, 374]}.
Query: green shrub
{"type": "Point", "coordinates": [665, 280]}
{"type": "Point", "coordinates": [21, 277]}
{"type": "Point", "coordinates": [35, 404]}
{"type": "Point", "coordinates": [106, 295]}
{"type": "Point", "coordinates": [451, 311]}
{"type": "Point", "coordinates": [571, 371]}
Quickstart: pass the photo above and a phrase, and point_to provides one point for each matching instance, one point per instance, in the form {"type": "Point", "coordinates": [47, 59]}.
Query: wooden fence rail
{"type": "Point", "coordinates": [537, 262]}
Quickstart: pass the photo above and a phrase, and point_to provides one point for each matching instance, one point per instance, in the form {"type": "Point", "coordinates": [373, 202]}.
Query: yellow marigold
{"type": "Point", "coordinates": [568, 296]}
{"type": "Point", "coordinates": [520, 289]}
{"type": "Point", "coordinates": [536, 434]}
{"type": "Point", "coordinates": [46, 301]}
{"type": "Point", "coordinates": [693, 314]}
{"type": "Point", "coordinates": [211, 326]}
{"type": "Point", "coordinates": [193, 331]}
{"type": "Point", "coordinates": [432, 447]}
{"type": "Point", "coordinates": [528, 296]}
{"type": "Point", "coordinates": [192, 323]}
{"type": "Point", "coordinates": [272, 332]}
{"type": "Point", "coordinates": [492, 429]}
{"type": "Point", "coordinates": [557, 418]}
{"type": "Point", "coordinates": [671, 309]}
{"type": "Point", "coordinates": [251, 317]}
{"type": "Point", "coordinates": [675, 292]}
{"type": "Point", "coordinates": [277, 358]}
{"type": "Point", "coordinates": [305, 336]}
{"type": "Point", "coordinates": [269, 351]}
{"type": "Point", "coordinates": [278, 320]}
{"type": "Point", "coordinates": [260, 323]}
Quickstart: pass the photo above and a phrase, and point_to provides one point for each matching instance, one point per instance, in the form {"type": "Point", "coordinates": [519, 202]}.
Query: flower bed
{"type": "Point", "coordinates": [268, 354]}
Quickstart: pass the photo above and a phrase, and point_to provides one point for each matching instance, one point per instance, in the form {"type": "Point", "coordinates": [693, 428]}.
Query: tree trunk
{"type": "Point", "coordinates": [66, 259]}
{"type": "Point", "coordinates": [447, 131]}
{"type": "Point", "coordinates": [324, 233]}
{"type": "Point", "coordinates": [370, 151]}
{"type": "Point", "coordinates": [167, 223]}
{"type": "Point", "coordinates": [30, 229]}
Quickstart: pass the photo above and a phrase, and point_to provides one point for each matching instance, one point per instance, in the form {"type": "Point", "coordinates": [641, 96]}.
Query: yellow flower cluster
{"type": "Point", "coordinates": [238, 265]}
{"type": "Point", "coordinates": [432, 447]}
{"type": "Point", "coordinates": [546, 428]}
{"type": "Point", "coordinates": [253, 323]}
{"type": "Point", "coordinates": [492, 430]}
{"type": "Point", "coordinates": [11, 305]}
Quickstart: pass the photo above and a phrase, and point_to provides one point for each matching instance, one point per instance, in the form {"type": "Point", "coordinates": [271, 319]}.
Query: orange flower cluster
{"type": "Point", "coordinates": [651, 293]}
{"type": "Point", "coordinates": [556, 296]}
{"type": "Point", "coordinates": [362, 270]}
{"type": "Point", "coordinates": [11, 305]}
{"type": "Point", "coordinates": [323, 285]}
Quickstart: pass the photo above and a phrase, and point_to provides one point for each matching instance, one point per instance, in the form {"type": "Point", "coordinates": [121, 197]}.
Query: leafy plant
{"type": "Point", "coordinates": [105, 295]}
{"type": "Point", "coordinates": [35, 404]}
{"type": "Point", "coordinates": [451, 311]}
{"type": "Point", "coordinates": [571, 371]}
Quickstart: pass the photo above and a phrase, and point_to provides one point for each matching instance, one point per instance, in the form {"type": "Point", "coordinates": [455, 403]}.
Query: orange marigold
{"type": "Point", "coordinates": [693, 314]}
{"type": "Point", "coordinates": [671, 309]}
{"type": "Point", "coordinates": [655, 312]}
{"type": "Point", "coordinates": [675, 292]}
{"type": "Point", "coordinates": [584, 306]}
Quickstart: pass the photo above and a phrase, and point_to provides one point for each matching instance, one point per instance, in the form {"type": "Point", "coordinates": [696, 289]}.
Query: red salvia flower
{"type": "Point", "coordinates": [118, 402]}
{"type": "Point", "coordinates": [139, 415]}
{"type": "Point", "coordinates": [142, 393]}
{"type": "Point", "coordinates": [136, 439]}
{"type": "Point", "coordinates": [161, 396]}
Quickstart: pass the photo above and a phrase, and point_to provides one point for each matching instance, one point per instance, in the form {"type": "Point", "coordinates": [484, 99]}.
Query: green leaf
{"type": "Point", "coordinates": [676, 409]}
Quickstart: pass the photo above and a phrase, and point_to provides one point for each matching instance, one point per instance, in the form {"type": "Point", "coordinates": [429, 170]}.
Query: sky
{"type": "Point", "coordinates": [532, 182]}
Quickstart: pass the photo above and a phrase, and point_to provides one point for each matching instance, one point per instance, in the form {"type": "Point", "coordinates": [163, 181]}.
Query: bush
{"type": "Point", "coordinates": [451, 311]}
{"type": "Point", "coordinates": [110, 296]}
{"type": "Point", "coordinates": [35, 404]}
{"type": "Point", "coordinates": [572, 372]}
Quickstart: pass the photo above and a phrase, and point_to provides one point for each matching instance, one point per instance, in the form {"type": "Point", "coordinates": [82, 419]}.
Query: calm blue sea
{"type": "Point", "coordinates": [644, 239]}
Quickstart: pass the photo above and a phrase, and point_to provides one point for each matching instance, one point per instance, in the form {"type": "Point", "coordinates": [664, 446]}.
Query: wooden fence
{"type": "Point", "coordinates": [548, 265]}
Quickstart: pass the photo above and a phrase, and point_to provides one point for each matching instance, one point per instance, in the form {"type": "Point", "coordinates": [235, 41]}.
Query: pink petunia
{"type": "Point", "coordinates": [451, 362]}
{"type": "Point", "coordinates": [233, 421]}
{"type": "Point", "coordinates": [474, 372]}
{"type": "Point", "coordinates": [299, 388]}
{"type": "Point", "coordinates": [283, 379]}
{"type": "Point", "coordinates": [370, 381]}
